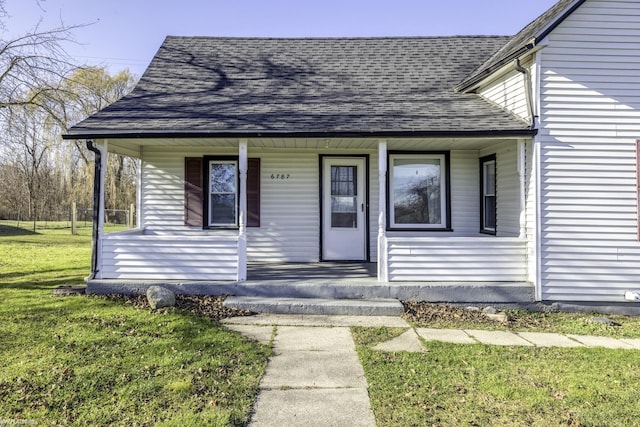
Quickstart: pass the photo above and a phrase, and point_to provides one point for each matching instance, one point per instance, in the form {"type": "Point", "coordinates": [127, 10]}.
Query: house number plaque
{"type": "Point", "coordinates": [280, 176]}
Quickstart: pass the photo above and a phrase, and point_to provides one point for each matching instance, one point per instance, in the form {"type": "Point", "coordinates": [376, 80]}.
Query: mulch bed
{"type": "Point", "coordinates": [438, 315]}
{"type": "Point", "coordinates": [425, 313]}
{"type": "Point", "coordinates": [206, 306]}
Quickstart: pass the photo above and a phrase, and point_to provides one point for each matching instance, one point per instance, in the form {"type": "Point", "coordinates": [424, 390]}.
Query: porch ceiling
{"type": "Point", "coordinates": [134, 147]}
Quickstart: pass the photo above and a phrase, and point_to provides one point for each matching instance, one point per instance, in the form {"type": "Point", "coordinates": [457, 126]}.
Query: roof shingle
{"type": "Point", "coordinates": [209, 85]}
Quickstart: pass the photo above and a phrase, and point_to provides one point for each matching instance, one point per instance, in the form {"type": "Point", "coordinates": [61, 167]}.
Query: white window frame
{"type": "Point", "coordinates": [210, 222]}
{"type": "Point", "coordinates": [444, 199]}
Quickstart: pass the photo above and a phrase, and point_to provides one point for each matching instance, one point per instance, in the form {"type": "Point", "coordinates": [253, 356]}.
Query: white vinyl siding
{"type": "Point", "coordinates": [590, 109]}
{"type": "Point", "coordinates": [509, 93]}
{"type": "Point", "coordinates": [290, 211]}
{"type": "Point", "coordinates": [480, 259]}
{"type": "Point", "coordinates": [175, 256]}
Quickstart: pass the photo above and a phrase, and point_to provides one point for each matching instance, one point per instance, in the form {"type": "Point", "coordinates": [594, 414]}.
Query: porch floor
{"type": "Point", "coordinates": [330, 280]}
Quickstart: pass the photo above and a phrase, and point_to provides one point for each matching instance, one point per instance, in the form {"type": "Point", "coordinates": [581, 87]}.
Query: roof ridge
{"type": "Point", "coordinates": [339, 37]}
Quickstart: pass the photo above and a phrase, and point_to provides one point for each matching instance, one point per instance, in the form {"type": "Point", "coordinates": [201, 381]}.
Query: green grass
{"type": "Point", "coordinates": [479, 385]}
{"type": "Point", "coordinates": [90, 361]}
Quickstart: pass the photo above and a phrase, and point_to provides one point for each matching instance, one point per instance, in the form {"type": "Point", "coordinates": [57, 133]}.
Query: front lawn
{"type": "Point", "coordinates": [480, 385]}
{"type": "Point", "coordinates": [92, 361]}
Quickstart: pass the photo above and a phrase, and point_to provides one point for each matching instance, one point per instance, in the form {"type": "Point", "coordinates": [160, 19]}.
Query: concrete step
{"type": "Point", "coordinates": [351, 307]}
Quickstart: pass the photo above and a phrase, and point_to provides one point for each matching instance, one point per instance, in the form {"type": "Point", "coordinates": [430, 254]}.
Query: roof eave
{"type": "Point", "coordinates": [474, 80]}
{"type": "Point", "coordinates": [136, 134]}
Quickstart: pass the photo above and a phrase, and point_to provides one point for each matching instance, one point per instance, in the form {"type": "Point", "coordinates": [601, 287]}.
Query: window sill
{"type": "Point", "coordinates": [426, 230]}
{"type": "Point", "coordinates": [221, 227]}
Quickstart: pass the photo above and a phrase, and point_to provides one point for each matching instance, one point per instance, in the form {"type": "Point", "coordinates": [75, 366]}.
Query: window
{"type": "Point", "coordinates": [418, 196]}
{"type": "Point", "coordinates": [488, 194]}
{"type": "Point", "coordinates": [223, 193]}
{"type": "Point", "coordinates": [211, 192]}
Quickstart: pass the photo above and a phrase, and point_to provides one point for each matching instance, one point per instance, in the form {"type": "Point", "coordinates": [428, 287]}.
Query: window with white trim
{"type": "Point", "coordinates": [418, 191]}
{"type": "Point", "coordinates": [488, 199]}
{"type": "Point", "coordinates": [223, 193]}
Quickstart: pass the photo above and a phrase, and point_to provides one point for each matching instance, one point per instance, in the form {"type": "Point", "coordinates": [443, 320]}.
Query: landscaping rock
{"type": "Point", "coordinates": [489, 310]}
{"type": "Point", "coordinates": [498, 317]}
{"type": "Point", "coordinates": [160, 297]}
{"type": "Point", "coordinates": [604, 321]}
{"type": "Point", "coordinates": [472, 308]}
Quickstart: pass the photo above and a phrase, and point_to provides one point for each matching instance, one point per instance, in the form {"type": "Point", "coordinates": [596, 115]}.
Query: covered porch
{"type": "Point", "coordinates": [455, 257]}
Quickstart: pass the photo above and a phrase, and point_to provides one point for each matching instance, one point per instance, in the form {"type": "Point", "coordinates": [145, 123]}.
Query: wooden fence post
{"type": "Point", "coordinates": [74, 219]}
{"type": "Point", "coordinates": [132, 211]}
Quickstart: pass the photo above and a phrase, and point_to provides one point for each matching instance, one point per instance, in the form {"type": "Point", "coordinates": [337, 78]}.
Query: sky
{"type": "Point", "coordinates": [123, 34]}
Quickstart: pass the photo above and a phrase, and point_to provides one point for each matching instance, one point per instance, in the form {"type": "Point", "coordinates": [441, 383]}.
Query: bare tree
{"type": "Point", "coordinates": [42, 93]}
{"type": "Point", "coordinates": [32, 65]}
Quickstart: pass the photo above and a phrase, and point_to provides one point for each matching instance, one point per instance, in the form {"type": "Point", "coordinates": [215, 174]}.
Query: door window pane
{"type": "Point", "coordinates": [344, 204]}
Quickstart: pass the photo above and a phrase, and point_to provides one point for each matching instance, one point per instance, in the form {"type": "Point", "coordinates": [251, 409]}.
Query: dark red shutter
{"type": "Point", "coordinates": [253, 193]}
{"type": "Point", "coordinates": [193, 191]}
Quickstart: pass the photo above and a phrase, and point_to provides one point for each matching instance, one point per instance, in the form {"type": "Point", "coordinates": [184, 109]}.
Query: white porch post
{"type": "Point", "coordinates": [242, 219]}
{"type": "Point", "coordinates": [139, 195]}
{"type": "Point", "coordinates": [383, 272]}
{"type": "Point", "coordinates": [521, 175]}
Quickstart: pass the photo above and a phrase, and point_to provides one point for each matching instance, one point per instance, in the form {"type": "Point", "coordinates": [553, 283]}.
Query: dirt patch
{"type": "Point", "coordinates": [206, 306]}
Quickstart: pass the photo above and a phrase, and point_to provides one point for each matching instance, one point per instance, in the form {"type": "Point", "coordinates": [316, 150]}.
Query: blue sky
{"type": "Point", "coordinates": [126, 34]}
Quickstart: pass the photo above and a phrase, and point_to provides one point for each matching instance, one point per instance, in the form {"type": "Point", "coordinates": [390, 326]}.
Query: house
{"type": "Point", "coordinates": [448, 163]}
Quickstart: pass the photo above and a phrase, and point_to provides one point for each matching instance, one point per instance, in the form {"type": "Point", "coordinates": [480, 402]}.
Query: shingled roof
{"type": "Point", "coordinates": [207, 86]}
{"type": "Point", "coordinates": [525, 40]}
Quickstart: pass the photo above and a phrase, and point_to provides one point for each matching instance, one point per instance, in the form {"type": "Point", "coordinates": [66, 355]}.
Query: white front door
{"type": "Point", "coordinates": [344, 203]}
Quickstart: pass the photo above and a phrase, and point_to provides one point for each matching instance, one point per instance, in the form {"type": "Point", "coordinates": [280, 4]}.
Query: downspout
{"type": "Point", "coordinates": [96, 207]}
{"type": "Point", "coordinates": [528, 91]}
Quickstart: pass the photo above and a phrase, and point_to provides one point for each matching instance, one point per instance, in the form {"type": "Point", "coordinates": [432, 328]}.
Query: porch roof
{"type": "Point", "coordinates": [252, 87]}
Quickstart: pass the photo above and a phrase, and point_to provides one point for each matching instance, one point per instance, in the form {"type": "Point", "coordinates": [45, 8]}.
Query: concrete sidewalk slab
{"type": "Point", "coordinates": [606, 342]}
{"type": "Point", "coordinates": [454, 336]}
{"type": "Point", "coordinates": [498, 338]}
{"type": "Point", "coordinates": [314, 379]}
{"type": "Point", "coordinates": [542, 339]}
{"type": "Point", "coordinates": [408, 341]}
{"type": "Point", "coordinates": [313, 407]}
{"type": "Point", "coordinates": [633, 342]}
{"type": "Point", "coordinates": [317, 320]}
{"type": "Point", "coordinates": [316, 369]}
{"type": "Point", "coordinates": [306, 338]}
{"type": "Point", "coordinates": [262, 334]}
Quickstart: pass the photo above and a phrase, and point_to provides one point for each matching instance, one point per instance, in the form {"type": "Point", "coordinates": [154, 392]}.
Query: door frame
{"type": "Point", "coordinates": [367, 243]}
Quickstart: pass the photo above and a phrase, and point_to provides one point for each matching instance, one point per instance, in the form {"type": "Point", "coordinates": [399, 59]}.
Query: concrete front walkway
{"type": "Point", "coordinates": [315, 377]}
